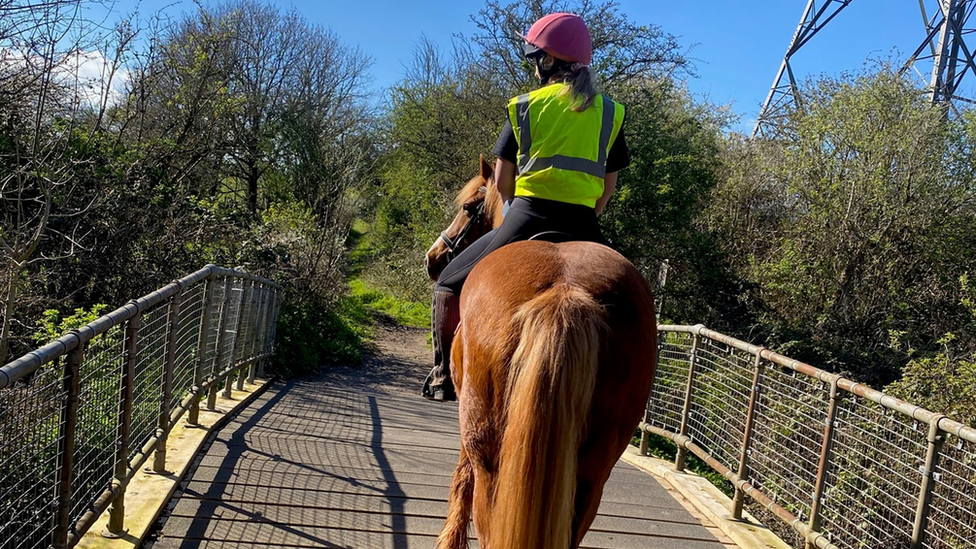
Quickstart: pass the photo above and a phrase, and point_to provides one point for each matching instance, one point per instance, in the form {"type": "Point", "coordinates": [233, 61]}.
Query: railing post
{"type": "Point", "coordinates": [679, 460]}
{"type": "Point", "coordinates": [67, 422]}
{"type": "Point", "coordinates": [743, 472]}
{"type": "Point", "coordinates": [645, 436]}
{"type": "Point", "coordinates": [219, 351]}
{"type": "Point", "coordinates": [235, 354]}
{"type": "Point", "coordinates": [929, 478]}
{"type": "Point", "coordinates": [169, 366]}
{"type": "Point", "coordinates": [193, 415]}
{"type": "Point", "coordinates": [130, 355]}
{"type": "Point", "coordinates": [825, 452]}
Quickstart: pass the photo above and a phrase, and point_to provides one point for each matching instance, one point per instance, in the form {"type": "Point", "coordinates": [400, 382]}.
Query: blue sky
{"type": "Point", "coordinates": [737, 44]}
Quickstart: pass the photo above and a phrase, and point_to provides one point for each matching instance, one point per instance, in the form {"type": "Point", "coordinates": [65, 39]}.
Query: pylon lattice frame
{"type": "Point", "coordinates": [944, 45]}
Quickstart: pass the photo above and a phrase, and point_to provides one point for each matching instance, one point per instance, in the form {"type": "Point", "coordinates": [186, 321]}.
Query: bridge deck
{"type": "Point", "coordinates": [314, 463]}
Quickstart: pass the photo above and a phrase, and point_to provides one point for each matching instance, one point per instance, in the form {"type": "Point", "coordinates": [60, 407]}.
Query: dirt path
{"type": "Point", "coordinates": [396, 361]}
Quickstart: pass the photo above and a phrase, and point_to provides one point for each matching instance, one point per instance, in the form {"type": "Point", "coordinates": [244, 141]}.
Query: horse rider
{"type": "Point", "coordinates": [558, 156]}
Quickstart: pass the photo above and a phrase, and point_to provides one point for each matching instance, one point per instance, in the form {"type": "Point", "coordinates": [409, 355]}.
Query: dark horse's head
{"type": "Point", "coordinates": [479, 211]}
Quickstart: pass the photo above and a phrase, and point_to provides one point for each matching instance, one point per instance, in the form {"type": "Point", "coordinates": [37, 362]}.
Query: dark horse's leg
{"type": "Point", "coordinates": [445, 316]}
{"type": "Point", "coordinates": [455, 532]}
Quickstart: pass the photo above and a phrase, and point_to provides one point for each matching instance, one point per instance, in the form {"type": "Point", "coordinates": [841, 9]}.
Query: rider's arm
{"type": "Point", "coordinates": [505, 178]}
{"type": "Point", "coordinates": [609, 185]}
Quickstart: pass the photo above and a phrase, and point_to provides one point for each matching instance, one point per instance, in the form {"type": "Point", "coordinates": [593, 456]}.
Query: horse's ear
{"type": "Point", "coordinates": [486, 170]}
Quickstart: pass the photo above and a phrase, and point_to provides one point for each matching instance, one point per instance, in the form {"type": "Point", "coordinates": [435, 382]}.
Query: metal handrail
{"type": "Point", "coordinates": [837, 463]}
{"type": "Point", "coordinates": [82, 414]}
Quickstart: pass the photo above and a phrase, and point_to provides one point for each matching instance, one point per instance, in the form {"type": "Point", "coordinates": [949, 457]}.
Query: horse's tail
{"type": "Point", "coordinates": [550, 389]}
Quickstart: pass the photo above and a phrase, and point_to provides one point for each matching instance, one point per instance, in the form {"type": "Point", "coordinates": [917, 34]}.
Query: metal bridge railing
{"type": "Point", "coordinates": [826, 462]}
{"type": "Point", "coordinates": [80, 415]}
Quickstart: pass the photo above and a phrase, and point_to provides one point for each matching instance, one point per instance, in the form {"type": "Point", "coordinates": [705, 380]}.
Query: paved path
{"type": "Point", "coordinates": [310, 464]}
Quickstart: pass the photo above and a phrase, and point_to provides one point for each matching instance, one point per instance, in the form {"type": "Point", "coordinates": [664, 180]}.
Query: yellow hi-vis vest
{"type": "Point", "coordinates": [562, 153]}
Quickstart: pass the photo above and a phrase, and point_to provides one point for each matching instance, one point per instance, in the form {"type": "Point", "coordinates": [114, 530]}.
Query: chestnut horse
{"type": "Point", "coordinates": [552, 362]}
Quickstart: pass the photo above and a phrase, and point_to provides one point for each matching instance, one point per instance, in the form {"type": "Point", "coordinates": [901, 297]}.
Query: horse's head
{"type": "Point", "coordinates": [479, 211]}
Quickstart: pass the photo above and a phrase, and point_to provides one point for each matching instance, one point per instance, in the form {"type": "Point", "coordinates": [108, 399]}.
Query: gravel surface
{"type": "Point", "coordinates": [396, 361]}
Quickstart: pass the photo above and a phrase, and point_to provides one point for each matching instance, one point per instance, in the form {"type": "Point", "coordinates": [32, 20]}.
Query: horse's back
{"type": "Point", "coordinates": [518, 272]}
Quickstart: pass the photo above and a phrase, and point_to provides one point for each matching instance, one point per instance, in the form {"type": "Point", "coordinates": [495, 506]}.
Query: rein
{"type": "Point", "coordinates": [452, 243]}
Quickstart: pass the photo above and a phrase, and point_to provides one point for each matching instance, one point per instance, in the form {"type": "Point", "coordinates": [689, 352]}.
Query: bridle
{"type": "Point", "coordinates": [452, 244]}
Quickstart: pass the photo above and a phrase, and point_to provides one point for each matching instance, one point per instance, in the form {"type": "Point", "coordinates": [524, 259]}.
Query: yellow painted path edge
{"type": "Point", "coordinates": [706, 501]}
{"type": "Point", "coordinates": [149, 492]}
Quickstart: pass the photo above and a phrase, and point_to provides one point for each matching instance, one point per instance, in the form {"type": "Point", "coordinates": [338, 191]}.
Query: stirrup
{"type": "Point", "coordinates": [425, 391]}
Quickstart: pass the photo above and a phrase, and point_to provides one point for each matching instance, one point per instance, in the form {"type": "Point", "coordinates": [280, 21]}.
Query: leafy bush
{"type": "Point", "coordinates": [310, 336]}
{"type": "Point", "coordinates": [945, 381]}
{"type": "Point", "coordinates": [53, 326]}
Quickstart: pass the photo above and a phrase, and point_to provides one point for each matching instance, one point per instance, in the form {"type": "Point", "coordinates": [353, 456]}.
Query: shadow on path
{"type": "Point", "coordinates": [394, 493]}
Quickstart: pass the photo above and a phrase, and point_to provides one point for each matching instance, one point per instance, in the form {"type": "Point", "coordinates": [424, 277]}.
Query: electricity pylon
{"type": "Point", "coordinates": [944, 45]}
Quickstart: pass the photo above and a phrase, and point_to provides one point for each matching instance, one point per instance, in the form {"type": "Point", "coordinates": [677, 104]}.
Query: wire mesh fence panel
{"type": "Point", "coordinates": [29, 428]}
{"type": "Point", "coordinates": [240, 335]}
{"type": "Point", "coordinates": [250, 347]}
{"type": "Point", "coordinates": [952, 514]}
{"type": "Point", "coordinates": [147, 388]}
{"type": "Point", "coordinates": [247, 326]}
{"type": "Point", "coordinates": [41, 406]}
{"type": "Point", "coordinates": [268, 331]}
{"type": "Point", "coordinates": [867, 478]}
{"type": "Point", "coordinates": [97, 430]}
{"type": "Point", "coordinates": [874, 480]}
{"type": "Point", "coordinates": [229, 326]}
{"type": "Point", "coordinates": [786, 443]}
{"type": "Point", "coordinates": [187, 341]}
{"type": "Point", "coordinates": [212, 329]}
{"type": "Point", "coordinates": [720, 400]}
{"type": "Point", "coordinates": [670, 381]}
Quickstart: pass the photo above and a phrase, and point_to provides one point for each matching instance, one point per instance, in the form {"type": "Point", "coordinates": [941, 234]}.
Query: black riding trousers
{"type": "Point", "coordinates": [526, 218]}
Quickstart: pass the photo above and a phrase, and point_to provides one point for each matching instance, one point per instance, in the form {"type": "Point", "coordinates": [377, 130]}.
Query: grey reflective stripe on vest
{"type": "Point", "coordinates": [525, 136]}
{"type": "Point", "coordinates": [528, 164]}
{"type": "Point", "coordinates": [564, 163]}
{"type": "Point", "coordinates": [605, 130]}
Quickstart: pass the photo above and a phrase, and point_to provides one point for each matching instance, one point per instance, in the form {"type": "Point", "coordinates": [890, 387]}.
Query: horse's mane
{"type": "Point", "coordinates": [469, 191]}
{"type": "Point", "coordinates": [493, 200]}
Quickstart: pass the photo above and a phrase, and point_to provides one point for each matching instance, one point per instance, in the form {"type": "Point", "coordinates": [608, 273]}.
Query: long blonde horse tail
{"type": "Point", "coordinates": [550, 389]}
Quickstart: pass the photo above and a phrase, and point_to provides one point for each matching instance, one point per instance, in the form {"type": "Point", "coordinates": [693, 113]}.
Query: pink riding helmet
{"type": "Point", "coordinates": [562, 35]}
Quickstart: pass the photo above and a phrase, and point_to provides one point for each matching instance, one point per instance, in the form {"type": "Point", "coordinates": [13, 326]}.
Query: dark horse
{"type": "Point", "coordinates": [553, 362]}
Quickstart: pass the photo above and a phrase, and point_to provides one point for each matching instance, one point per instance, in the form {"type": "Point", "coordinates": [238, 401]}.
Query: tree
{"type": "Point", "coordinates": [675, 150]}
{"type": "Point", "coordinates": [45, 104]}
{"type": "Point", "coordinates": [852, 225]}
{"type": "Point", "coordinates": [239, 103]}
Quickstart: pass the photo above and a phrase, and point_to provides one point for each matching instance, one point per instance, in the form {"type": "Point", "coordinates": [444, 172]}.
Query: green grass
{"type": "Point", "coordinates": [359, 251]}
{"type": "Point", "coordinates": [372, 298]}
{"type": "Point", "coordinates": [406, 313]}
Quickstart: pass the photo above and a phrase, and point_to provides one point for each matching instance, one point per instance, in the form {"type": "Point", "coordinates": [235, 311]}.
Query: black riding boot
{"type": "Point", "coordinates": [445, 316]}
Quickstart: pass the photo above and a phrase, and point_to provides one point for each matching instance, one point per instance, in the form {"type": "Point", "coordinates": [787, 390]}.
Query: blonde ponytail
{"type": "Point", "coordinates": [578, 76]}
{"type": "Point", "coordinates": [581, 85]}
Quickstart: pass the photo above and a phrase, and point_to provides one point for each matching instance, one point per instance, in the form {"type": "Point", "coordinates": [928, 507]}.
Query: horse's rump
{"type": "Point", "coordinates": [555, 359]}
